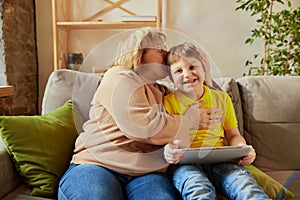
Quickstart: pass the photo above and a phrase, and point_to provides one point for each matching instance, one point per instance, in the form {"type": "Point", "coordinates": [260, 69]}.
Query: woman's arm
{"type": "Point", "coordinates": [137, 109]}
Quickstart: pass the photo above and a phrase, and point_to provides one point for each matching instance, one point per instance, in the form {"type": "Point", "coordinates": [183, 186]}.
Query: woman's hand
{"type": "Point", "coordinates": [247, 160]}
{"type": "Point", "coordinates": [209, 118]}
{"type": "Point", "coordinates": [171, 152]}
{"type": "Point", "coordinates": [203, 118]}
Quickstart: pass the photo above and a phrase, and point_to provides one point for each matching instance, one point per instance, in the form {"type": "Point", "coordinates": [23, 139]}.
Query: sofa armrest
{"type": "Point", "coordinates": [9, 178]}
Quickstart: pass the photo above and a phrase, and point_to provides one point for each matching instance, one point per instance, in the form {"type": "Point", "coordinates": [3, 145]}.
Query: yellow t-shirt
{"type": "Point", "coordinates": [178, 103]}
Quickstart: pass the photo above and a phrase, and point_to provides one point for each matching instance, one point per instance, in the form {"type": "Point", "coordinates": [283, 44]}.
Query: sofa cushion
{"type": "Point", "coordinates": [41, 146]}
{"type": "Point", "coordinates": [290, 179]}
{"type": "Point", "coordinates": [67, 84]}
{"type": "Point", "coordinates": [9, 178]}
{"type": "Point", "coordinates": [23, 193]}
{"type": "Point", "coordinates": [271, 110]}
{"type": "Point", "coordinates": [230, 86]}
{"type": "Point", "coordinates": [272, 188]}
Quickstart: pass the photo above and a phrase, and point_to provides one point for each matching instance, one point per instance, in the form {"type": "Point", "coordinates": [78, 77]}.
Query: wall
{"type": "Point", "coordinates": [19, 57]}
{"type": "Point", "coordinates": [44, 44]}
{"type": "Point", "coordinates": [214, 24]}
{"type": "Point", "coordinates": [3, 79]}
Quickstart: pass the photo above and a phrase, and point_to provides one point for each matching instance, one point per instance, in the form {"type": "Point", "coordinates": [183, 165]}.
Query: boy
{"type": "Point", "coordinates": [187, 66]}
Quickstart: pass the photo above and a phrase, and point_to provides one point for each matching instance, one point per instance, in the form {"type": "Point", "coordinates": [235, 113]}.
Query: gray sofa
{"type": "Point", "coordinates": [268, 110]}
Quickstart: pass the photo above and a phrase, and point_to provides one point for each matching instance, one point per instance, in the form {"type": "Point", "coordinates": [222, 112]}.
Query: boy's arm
{"type": "Point", "coordinates": [234, 138]}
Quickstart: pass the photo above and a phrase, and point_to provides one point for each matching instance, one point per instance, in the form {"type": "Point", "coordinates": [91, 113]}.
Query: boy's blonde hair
{"type": "Point", "coordinates": [131, 49]}
{"type": "Point", "coordinates": [185, 50]}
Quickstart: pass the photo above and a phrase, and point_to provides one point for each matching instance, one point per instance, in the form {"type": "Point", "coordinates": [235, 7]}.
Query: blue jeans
{"type": "Point", "coordinates": [88, 181]}
{"type": "Point", "coordinates": [203, 181]}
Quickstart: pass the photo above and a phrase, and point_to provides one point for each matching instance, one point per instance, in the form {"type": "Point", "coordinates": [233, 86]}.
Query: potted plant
{"type": "Point", "coordinates": [280, 33]}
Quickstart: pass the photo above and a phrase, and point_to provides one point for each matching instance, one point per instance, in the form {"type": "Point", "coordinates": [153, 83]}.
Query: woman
{"type": "Point", "coordinates": [119, 154]}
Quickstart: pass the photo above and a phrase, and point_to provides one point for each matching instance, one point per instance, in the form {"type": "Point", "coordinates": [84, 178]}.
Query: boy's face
{"type": "Point", "coordinates": [188, 76]}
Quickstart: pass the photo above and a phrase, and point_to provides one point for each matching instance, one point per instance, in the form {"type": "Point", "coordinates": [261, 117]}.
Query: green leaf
{"type": "Point", "coordinates": [249, 41]}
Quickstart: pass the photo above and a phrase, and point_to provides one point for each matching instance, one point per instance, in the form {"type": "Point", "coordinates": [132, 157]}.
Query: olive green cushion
{"type": "Point", "coordinates": [271, 187]}
{"type": "Point", "coordinates": [41, 146]}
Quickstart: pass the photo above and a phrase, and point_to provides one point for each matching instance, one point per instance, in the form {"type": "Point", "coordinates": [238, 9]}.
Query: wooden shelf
{"type": "Point", "coordinates": [104, 25]}
{"type": "Point", "coordinates": [63, 24]}
{"type": "Point", "coordinates": [6, 91]}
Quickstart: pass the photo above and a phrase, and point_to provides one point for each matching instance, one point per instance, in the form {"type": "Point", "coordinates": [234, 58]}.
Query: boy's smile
{"type": "Point", "coordinates": [190, 81]}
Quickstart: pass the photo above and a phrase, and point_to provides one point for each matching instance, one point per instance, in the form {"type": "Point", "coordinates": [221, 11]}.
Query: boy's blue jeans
{"type": "Point", "coordinates": [88, 181]}
{"type": "Point", "coordinates": [203, 181]}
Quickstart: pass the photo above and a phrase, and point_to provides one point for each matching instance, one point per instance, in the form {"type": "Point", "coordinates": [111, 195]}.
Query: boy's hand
{"type": "Point", "coordinates": [171, 152]}
{"type": "Point", "coordinates": [247, 160]}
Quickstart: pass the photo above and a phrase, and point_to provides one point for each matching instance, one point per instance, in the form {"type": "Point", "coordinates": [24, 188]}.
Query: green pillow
{"type": "Point", "coordinates": [271, 187]}
{"type": "Point", "coordinates": [41, 146]}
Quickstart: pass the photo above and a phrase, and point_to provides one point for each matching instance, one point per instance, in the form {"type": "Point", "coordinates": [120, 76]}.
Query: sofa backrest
{"type": "Point", "coordinates": [267, 108]}
{"type": "Point", "coordinates": [271, 110]}
{"type": "Point", "coordinates": [67, 84]}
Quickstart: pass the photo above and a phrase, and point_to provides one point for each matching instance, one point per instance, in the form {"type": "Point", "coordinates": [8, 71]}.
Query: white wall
{"type": "Point", "coordinates": [214, 24]}
{"type": "Point", "coordinates": [44, 43]}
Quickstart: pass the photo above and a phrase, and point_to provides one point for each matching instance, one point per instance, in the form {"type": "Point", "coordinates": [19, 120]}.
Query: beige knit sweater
{"type": "Point", "coordinates": [128, 126]}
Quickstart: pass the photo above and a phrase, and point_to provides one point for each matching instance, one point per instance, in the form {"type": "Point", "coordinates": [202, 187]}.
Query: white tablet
{"type": "Point", "coordinates": [206, 155]}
